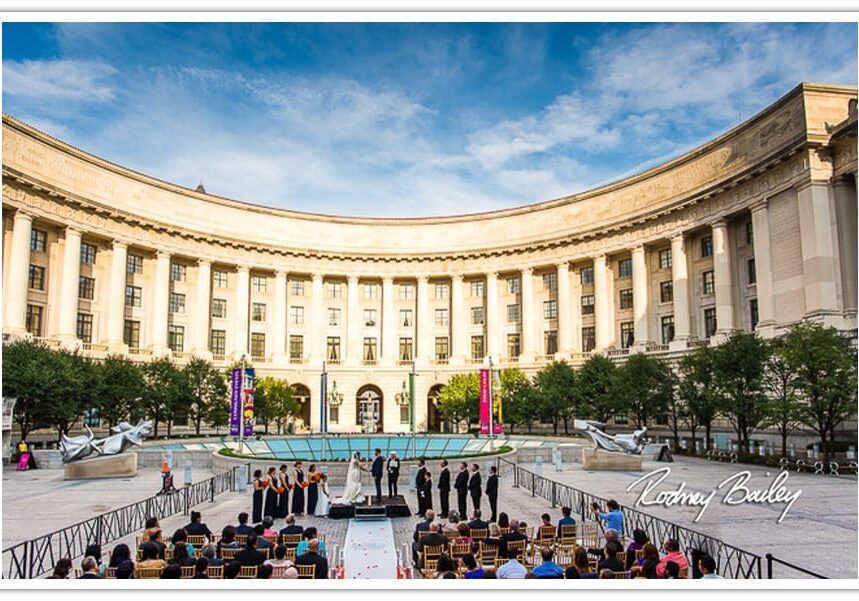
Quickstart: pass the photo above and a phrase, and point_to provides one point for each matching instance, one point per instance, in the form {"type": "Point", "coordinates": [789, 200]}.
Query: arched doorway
{"type": "Point", "coordinates": [301, 393]}
{"type": "Point", "coordinates": [434, 421]}
{"type": "Point", "coordinates": [369, 409]}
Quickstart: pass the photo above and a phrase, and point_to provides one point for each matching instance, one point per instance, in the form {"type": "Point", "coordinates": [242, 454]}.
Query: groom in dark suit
{"type": "Point", "coordinates": [377, 469]}
{"type": "Point", "coordinates": [461, 486]}
{"type": "Point", "coordinates": [444, 489]}
{"type": "Point", "coordinates": [474, 485]}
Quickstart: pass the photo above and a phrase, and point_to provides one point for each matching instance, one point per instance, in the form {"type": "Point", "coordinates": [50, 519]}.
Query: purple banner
{"type": "Point", "coordinates": [236, 402]}
{"type": "Point", "coordinates": [248, 404]}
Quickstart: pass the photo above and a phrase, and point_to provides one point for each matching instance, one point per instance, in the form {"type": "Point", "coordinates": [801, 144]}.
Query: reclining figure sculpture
{"type": "Point", "coordinates": [124, 435]}
{"type": "Point", "coordinates": [619, 443]}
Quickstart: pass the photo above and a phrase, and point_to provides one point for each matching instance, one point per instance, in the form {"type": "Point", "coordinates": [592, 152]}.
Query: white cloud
{"type": "Point", "coordinates": [86, 81]}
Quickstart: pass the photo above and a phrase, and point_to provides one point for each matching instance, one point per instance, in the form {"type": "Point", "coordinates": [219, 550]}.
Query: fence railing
{"type": "Point", "coordinates": [37, 557]}
{"type": "Point", "coordinates": [771, 560]}
{"type": "Point", "coordinates": [731, 561]}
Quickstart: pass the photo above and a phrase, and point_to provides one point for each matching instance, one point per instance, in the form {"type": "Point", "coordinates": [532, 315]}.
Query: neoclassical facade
{"type": "Point", "coordinates": [755, 230]}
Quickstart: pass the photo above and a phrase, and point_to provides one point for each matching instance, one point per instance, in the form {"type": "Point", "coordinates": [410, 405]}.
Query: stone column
{"type": "Point", "coordinates": [316, 332]}
{"type": "Point", "coordinates": [279, 354]}
{"type": "Point", "coordinates": [240, 322]}
{"type": "Point", "coordinates": [160, 304]}
{"type": "Point", "coordinates": [353, 322]}
{"type": "Point", "coordinates": [493, 331]}
{"type": "Point", "coordinates": [389, 323]}
{"type": "Point", "coordinates": [818, 252]}
{"type": "Point", "coordinates": [722, 279]}
{"type": "Point", "coordinates": [640, 300]}
{"type": "Point", "coordinates": [116, 298]}
{"type": "Point", "coordinates": [603, 313]}
{"type": "Point", "coordinates": [577, 320]}
{"type": "Point", "coordinates": [680, 279]}
{"type": "Point", "coordinates": [845, 205]}
{"type": "Point", "coordinates": [203, 306]}
{"type": "Point", "coordinates": [528, 342]}
{"type": "Point", "coordinates": [69, 281]}
{"type": "Point", "coordinates": [15, 295]}
{"type": "Point", "coordinates": [565, 312]}
{"type": "Point", "coordinates": [763, 270]}
{"type": "Point", "coordinates": [458, 321]}
{"type": "Point", "coordinates": [423, 323]}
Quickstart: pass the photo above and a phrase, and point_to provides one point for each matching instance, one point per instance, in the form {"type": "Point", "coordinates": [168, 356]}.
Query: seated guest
{"type": "Point", "coordinates": [120, 554]}
{"type": "Point", "coordinates": [503, 520]}
{"type": "Point", "coordinates": [423, 525]}
{"type": "Point", "coordinates": [180, 536]}
{"type": "Point", "coordinates": [201, 568]}
{"type": "Point", "coordinates": [308, 535]}
{"type": "Point", "coordinates": [571, 573]}
{"type": "Point", "coordinates": [476, 523]}
{"type": "Point", "coordinates": [262, 543]}
{"type": "Point", "coordinates": [639, 539]}
{"type": "Point", "coordinates": [89, 566]}
{"type": "Point", "coordinates": [489, 575]}
{"type": "Point", "coordinates": [433, 539]}
{"type": "Point", "coordinates": [512, 569]}
{"type": "Point", "coordinates": [232, 570]}
{"type": "Point", "coordinates": [264, 572]}
{"type": "Point", "coordinates": [180, 555]}
{"type": "Point", "coordinates": [228, 539]}
{"type": "Point", "coordinates": [463, 534]}
{"type": "Point", "coordinates": [156, 539]}
{"type": "Point", "coordinates": [243, 529]}
{"type": "Point", "coordinates": [268, 526]}
{"type": "Point", "coordinates": [280, 560]}
{"type": "Point", "coordinates": [494, 538]}
{"type": "Point", "coordinates": [445, 566]}
{"type": "Point", "coordinates": [312, 557]}
{"type": "Point", "coordinates": [149, 550]}
{"type": "Point", "coordinates": [250, 556]}
{"type": "Point", "coordinates": [672, 571]}
{"type": "Point", "coordinates": [472, 570]}
{"type": "Point", "coordinates": [172, 572]}
{"type": "Point", "coordinates": [546, 520]}
{"type": "Point", "coordinates": [62, 569]}
{"type": "Point", "coordinates": [452, 521]}
{"type": "Point", "coordinates": [610, 561]}
{"type": "Point", "coordinates": [672, 553]}
{"type": "Point", "coordinates": [125, 571]}
{"type": "Point", "coordinates": [210, 552]}
{"type": "Point", "coordinates": [707, 566]}
{"type": "Point", "coordinates": [94, 551]}
{"type": "Point", "coordinates": [290, 529]}
{"type": "Point", "coordinates": [196, 528]}
{"type": "Point", "coordinates": [513, 535]}
{"type": "Point", "coordinates": [548, 569]}
{"type": "Point", "coordinates": [646, 566]}
{"type": "Point", "coordinates": [151, 522]}
{"type": "Point", "coordinates": [606, 574]}
{"type": "Point", "coordinates": [567, 520]}
{"type": "Point", "coordinates": [582, 563]}
{"type": "Point", "coordinates": [610, 537]}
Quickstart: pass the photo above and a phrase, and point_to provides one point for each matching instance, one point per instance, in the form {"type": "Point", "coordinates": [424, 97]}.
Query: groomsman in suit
{"type": "Point", "coordinates": [492, 492]}
{"type": "Point", "coordinates": [419, 484]}
{"type": "Point", "coordinates": [393, 474]}
{"type": "Point", "coordinates": [474, 485]}
{"type": "Point", "coordinates": [461, 486]}
{"type": "Point", "coordinates": [444, 488]}
{"type": "Point", "coordinates": [377, 473]}
{"type": "Point", "coordinates": [425, 494]}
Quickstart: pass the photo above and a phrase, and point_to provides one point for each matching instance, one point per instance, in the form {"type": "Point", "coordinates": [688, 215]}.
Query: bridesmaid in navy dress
{"type": "Point", "coordinates": [271, 494]}
{"type": "Point", "coordinates": [298, 492]}
{"type": "Point", "coordinates": [283, 506]}
{"type": "Point", "coordinates": [259, 485]}
{"type": "Point", "coordinates": [312, 489]}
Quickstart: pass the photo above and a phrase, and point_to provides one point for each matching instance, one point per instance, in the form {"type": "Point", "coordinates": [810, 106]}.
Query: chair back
{"type": "Point", "coordinates": [568, 533]}
{"type": "Point", "coordinates": [308, 572]}
{"type": "Point", "coordinates": [215, 572]}
{"type": "Point", "coordinates": [248, 572]}
{"type": "Point", "coordinates": [291, 540]}
{"type": "Point", "coordinates": [228, 553]}
{"type": "Point", "coordinates": [290, 553]}
{"type": "Point", "coordinates": [621, 555]}
{"type": "Point", "coordinates": [517, 544]}
{"type": "Point", "coordinates": [146, 573]}
{"type": "Point", "coordinates": [198, 540]}
{"type": "Point", "coordinates": [620, 575]}
{"type": "Point", "coordinates": [433, 550]}
{"type": "Point", "coordinates": [590, 535]}
{"type": "Point", "coordinates": [504, 530]}
{"type": "Point", "coordinates": [546, 534]}
{"type": "Point", "coordinates": [480, 533]}
{"type": "Point", "coordinates": [488, 554]}
{"type": "Point", "coordinates": [110, 573]}
{"type": "Point", "coordinates": [451, 534]}
{"type": "Point", "coordinates": [500, 562]}
{"type": "Point", "coordinates": [187, 572]}
{"type": "Point", "coordinates": [459, 550]}
{"type": "Point", "coordinates": [242, 539]}
{"type": "Point", "coordinates": [278, 571]}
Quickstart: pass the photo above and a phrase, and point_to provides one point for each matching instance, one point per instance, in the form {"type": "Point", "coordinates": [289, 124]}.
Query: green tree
{"type": "Point", "coordinates": [824, 363]}
{"type": "Point", "coordinates": [218, 414]}
{"type": "Point", "coordinates": [517, 397]}
{"type": "Point", "coordinates": [699, 392]}
{"type": "Point", "coordinates": [275, 396]}
{"type": "Point", "coordinates": [642, 386]}
{"type": "Point", "coordinates": [206, 387]}
{"type": "Point", "coordinates": [678, 414]}
{"type": "Point", "coordinates": [27, 376]}
{"type": "Point", "coordinates": [74, 387]}
{"type": "Point", "coordinates": [120, 389]}
{"type": "Point", "coordinates": [781, 382]}
{"type": "Point", "coordinates": [161, 386]}
{"type": "Point", "coordinates": [596, 385]}
{"type": "Point", "coordinates": [557, 393]}
{"type": "Point", "coordinates": [739, 367]}
{"type": "Point", "coordinates": [459, 400]}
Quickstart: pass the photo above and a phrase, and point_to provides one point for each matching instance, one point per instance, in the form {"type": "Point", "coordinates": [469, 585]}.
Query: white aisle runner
{"type": "Point", "coordinates": [369, 550]}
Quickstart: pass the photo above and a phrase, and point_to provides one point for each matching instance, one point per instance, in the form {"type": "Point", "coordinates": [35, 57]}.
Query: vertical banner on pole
{"type": "Point", "coordinates": [248, 409]}
{"type": "Point", "coordinates": [484, 401]}
{"type": "Point", "coordinates": [323, 395]}
{"type": "Point", "coordinates": [236, 402]}
{"type": "Point", "coordinates": [412, 401]}
{"type": "Point", "coordinates": [497, 421]}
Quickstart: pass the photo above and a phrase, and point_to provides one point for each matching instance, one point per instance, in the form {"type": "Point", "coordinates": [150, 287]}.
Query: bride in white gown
{"type": "Point", "coordinates": [352, 492]}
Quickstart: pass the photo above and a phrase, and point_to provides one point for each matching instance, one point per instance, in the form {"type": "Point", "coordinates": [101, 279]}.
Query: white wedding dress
{"type": "Point", "coordinates": [352, 492]}
{"type": "Point", "coordinates": [324, 501]}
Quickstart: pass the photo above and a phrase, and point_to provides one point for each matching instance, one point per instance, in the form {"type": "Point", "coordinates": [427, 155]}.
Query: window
{"type": "Point", "coordinates": [131, 334]}
{"type": "Point", "coordinates": [177, 272]}
{"type": "Point", "coordinates": [550, 309]}
{"type": "Point", "coordinates": [477, 316]}
{"type": "Point", "coordinates": [476, 289]}
{"type": "Point", "coordinates": [90, 417]}
{"type": "Point", "coordinates": [405, 349]}
{"type": "Point", "coordinates": [257, 345]}
{"type": "Point", "coordinates": [626, 298]}
{"type": "Point", "coordinates": [335, 290]}
{"type": "Point", "coordinates": [513, 347]}
{"type": "Point", "coordinates": [133, 296]}
{"type": "Point", "coordinates": [710, 322]}
{"type": "Point", "coordinates": [86, 287]}
{"type": "Point", "coordinates": [441, 318]}
{"type": "Point", "coordinates": [442, 291]}
{"type": "Point", "coordinates": [369, 317]}
{"type": "Point", "coordinates": [296, 315]}
{"type": "Point", "coordinates": [587, 275]}
{"type": "Point", "coordinates": [624, 268]}
{"type": "Point", "coordinates": [371, 291]}
{"type": "Point", "coordinates": [259, 283]}
{"type": "Point", "coordinates": [589, 341]}
{"type": "Point", "coordinates": [219, 308]}
{"type": "Point", "coordinates": [753, 312]}
{"type": "Point", "coordinates": [87, 253]}
{"type": "Point", "coordinates": [369, 349]}
{"type": "Point", "coordinates": [297, 287]}
{"type": "Point", "coordinates": [218, 342]}
{"type": "Point", "coordinates": [258, 312]}
{"type": "Point", "coordinates": [333, 316]}
{"type": "Point", "coordinates": [84, 329]}
{"type": "Point", "coordinates": [550, 342]}
{"type": "Point", "coordinates": [220, 279]}
{"type": "Point", "coordinates": [477, 347]}
{"type": "Point", "coordinates": [666, 291]}
{"type": "Point", "coordinates": [296, 347]}
{"type": "Point", "coordinates": [405, 317]}
{"type": "Point", "coordinates": [627, 337]}
{"type": "Point", "coordinates": [706, 246]}
{"type": "Point", "coordinates": [134, 264]}
{"type": "Point", "coordinates": [667, 329]}
{"type": "Point", "coordinates": [588, 304]}
{"type": "Point", "coordinates": [750, 233]}
{"type": "Point", "coordinates": [753, 276]}
{"type": "Point", "coordinates": [333, 346]}
{"type": "Point", "coordinates": [37, 277]}
{"type": "Point", "coordinates": [177, 303]}
{"type": "Point", "coordinates": [176, 338]}
{"type": "Point", "coordinates": [665, 259]}
{"type": "Point", "coordinates": [333, 414]}
{"type": "Point", "coordinates": [513, 314]}
{"type": "Point", "coordinates": [709, 283]}
{"type": "Point", "coordinates": [405, 414]}
{"type": "Point", "coordinates": [550, 281]}
{"type": "Point", "coordinates": [442, 348]}
{"type": "Point", "coordinates": [513, 286]}
{"type": "Point", "coordinates": [34, 320]}
{"type": "Point", "coordinates": [407, 292]}
{"type": "Point", "coordinates": [38, 241]}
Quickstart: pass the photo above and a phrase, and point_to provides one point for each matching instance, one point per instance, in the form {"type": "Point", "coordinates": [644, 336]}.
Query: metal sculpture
{"type": "Point", "coordinates": [631, 444]}
{"type": "Point", "coordinates": [124, 435]}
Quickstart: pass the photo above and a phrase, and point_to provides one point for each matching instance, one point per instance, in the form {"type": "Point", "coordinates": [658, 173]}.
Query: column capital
{"type": "Point", "coordinates": [563, 265]}
{"type": "Point", "coordinates": [679, 238]}
{"type": "Point", "coordinates": [719, 223]}
{"type": "Point", "coordinates": [422, 277]}
{"type": "Point", "coordinates": [809, 183]}
{"type": "Point", "coordinates": [163, 254]}
{"type": "Point", "coordinates": [352, 279]}
{"type": "Point", "coordinates": [491, 274]}
{"type": "Point", "coordinates": [201, 262]}
{"type": "Point", "coordinates": [527, 270]}
{"type": "Point", "coordinates": [600, 257]}
{"type": "Point", "coordinates": [457, 277]}
{"type": "Point", "coordinates": [281, 273]}
{"type": "Point", "coordinates": [317, 277]}
{"type": "Point", "coordinates": [23, 215]}
{"type": "Point", "coordinates": [638, 249]}
{"type": "Point", "coordinates": [73, 229]}
{"type": "Point", "coordinates": [388, 280]}
{"type": "Point", "coordinates": [759, 205]}
{"type": "Point", "coordinates": [243, 268]}
{"type": "Point", "coordinates": [118, 243]}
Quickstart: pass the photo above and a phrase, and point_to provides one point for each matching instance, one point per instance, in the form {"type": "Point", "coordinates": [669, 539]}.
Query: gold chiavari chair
{"type": "Point", "coordinates": [590, 535]}
{"type": "Point", "coordinates": [290, 553]}
{"type": "Point", "coordinates": [248, 572]}
{"type": "Point", "coordinates": [488, 554]}
{"type": "Point", "coordinates": [567, 535]}
{"type": "Point", "coordinates": [479, 533]}
{"type": "Point", "coordinates": [242, 539]}
{"type": "Point", "coordinates": [215, 572]}
{"type": "Point", "coordinates": [621, 555]}
{"type": "Point", "coordinates": [459, 550]}
{"type": "Point", "coordinates": [147, 573]}
{"type": "Point", "coordinates": [620, 575]}
{"type": "Point", "coordinates": [291, 540]}
{"type": "Point", "coordinates": [430, 568]}
{"type": "Point", "coordinates": [110, 573]}
{"type": "Point", "coordinates": [450, 534]}
{"type": "Point", "coordinates": [545, 535]}
{"type": "Point", "coordinates": [227, 553]}
{"type": "Point", "coordinates": [500, 562]}
{"type": "Point", "coordinates": [278, 571]}
{"type": "Point", "coordinates": [517, 544]}
{"type": "Point", "coordinates": [78, 573]}
{"type": "Point", "coordinates": [504, 530]}
{"type": "Point", "coordinates": [307, 572]}
{"type": "Point", "coordinates": [168, 554]}
{"type": "Point", "coordinates": [198, 540]}
{"type": "Point", "coordinates": [187, 572]}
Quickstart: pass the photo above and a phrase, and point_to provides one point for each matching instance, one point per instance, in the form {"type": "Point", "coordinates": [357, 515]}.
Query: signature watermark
{"type": "Point", "coordinates": [733, 488]}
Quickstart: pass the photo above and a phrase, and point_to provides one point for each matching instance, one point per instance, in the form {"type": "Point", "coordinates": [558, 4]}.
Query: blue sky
{"type": "Point", "coordinates": [404, 119]}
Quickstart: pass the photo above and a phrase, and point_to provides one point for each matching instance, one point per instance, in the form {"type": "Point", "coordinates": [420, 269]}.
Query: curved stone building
{"type": "Point", "coordinates": [755, 230]}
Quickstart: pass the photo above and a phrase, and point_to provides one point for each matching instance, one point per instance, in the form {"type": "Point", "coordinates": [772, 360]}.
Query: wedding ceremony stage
{"type": "Point", "coordinates": [369, 550]}
{"type": "Point", "coordinates": [391, 507]}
